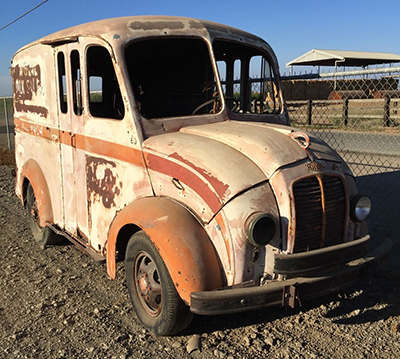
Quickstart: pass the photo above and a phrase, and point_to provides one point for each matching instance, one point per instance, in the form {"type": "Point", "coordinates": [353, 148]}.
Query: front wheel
{"type": "Point", "coordinates": [153, 294]}
{"type": "Point", "coordinates": [42, 235]}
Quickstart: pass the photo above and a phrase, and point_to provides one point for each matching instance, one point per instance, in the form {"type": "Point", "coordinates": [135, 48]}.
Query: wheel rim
{"type": "Point", "coordinates": [148, 284]}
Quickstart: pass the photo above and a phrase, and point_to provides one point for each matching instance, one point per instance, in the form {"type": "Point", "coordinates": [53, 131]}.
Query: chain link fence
{"type": "Point", "coordinates": [6, 123]}
{"type": "Point", "coordinates": [358, 114]}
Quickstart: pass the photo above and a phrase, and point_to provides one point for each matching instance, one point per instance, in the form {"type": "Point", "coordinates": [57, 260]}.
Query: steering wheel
{"type": "Point", "coordinates": [216, 99]}
{"type": "Point", "coordinates": [204, 104]}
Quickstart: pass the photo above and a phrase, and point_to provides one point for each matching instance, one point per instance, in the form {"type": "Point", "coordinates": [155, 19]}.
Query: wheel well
{"type": "Point", "coordinates": [25, 185]}
{"type": "Point", "coordinates": [125, 233]}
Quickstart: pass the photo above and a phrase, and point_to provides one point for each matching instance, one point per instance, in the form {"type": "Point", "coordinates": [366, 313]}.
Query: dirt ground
{"type": "Point", "coordinates": [58, 303]}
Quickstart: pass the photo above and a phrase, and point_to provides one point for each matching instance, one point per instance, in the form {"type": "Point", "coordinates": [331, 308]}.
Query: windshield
{"type": "Point", "coordinates": [173, 77]}
{"type": "Point", "coordinates": [247, 79]}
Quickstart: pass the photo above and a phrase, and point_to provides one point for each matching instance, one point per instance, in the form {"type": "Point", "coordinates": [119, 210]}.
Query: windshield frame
{"type": "Point", "coordinates": [156, 126]}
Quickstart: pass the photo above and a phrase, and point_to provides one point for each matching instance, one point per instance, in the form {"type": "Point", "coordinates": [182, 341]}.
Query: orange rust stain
{"type": "Point", "coordinates": [219, 186]}
{"type": "Point", "coordinates": [175, 170]}
{"type": "Point", "coordinates": [180, 239]}
{"type": "Point", "coordinates": [82, 142]}
{"type": "Point", "coordinates": [110, 149]}
{"type": "Point", "coordinates": [323, 230]}
{"type": "Point", "coordinates": [31, 170]}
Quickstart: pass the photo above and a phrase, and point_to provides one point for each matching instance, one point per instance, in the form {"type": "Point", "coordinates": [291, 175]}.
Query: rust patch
{"type": "Point", "coordinates": [41, 111]}
{"type": "Point", "coordinates": [195, 25]}
{"type": "Point", "coordinates": [156, 25]}
{"type": "Point", "coordinates": [101, 181]}
{"type": "Point", "coordinates": [26, 81]}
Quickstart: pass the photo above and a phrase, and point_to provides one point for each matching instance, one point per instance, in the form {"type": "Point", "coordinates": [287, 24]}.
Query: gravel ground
{"type": "Point", "coordinates": [58, 303]}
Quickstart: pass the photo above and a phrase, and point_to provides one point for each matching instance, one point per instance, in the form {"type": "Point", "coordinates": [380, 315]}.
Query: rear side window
{"type": "Point", "coordinates": [104, 95]}
{"type": "Point", "coordinates": [76, 82]}
{"type": "Point", "coordinates": [62, 82]}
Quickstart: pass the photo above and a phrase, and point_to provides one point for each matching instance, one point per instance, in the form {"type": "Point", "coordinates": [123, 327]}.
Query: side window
{"type": "Point", "coordinates": [250, 85]}
{"type": "Point", "coordinates": [264, 94]}
{"type": "Point", "coordinates": [104, 95]}
{"type": "Point", "coordinates": [76, 82]}
{"type": "Point", "coordinates": [62, 82]}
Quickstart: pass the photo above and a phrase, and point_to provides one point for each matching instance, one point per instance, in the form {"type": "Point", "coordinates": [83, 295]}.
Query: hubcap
{"type": "Point", "coordinates": [148, 284]}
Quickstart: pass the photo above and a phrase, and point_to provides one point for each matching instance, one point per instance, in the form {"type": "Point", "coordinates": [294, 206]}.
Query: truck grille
{"type": "Point", "coordinates": [320, 213]}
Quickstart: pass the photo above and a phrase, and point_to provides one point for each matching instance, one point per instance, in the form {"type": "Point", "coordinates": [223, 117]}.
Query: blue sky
{"type": "Point", "coordinates": [291, 27]}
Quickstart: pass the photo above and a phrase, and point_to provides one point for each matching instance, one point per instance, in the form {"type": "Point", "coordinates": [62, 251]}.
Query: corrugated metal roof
{"type": "Point", "coordinates": [343, 58]}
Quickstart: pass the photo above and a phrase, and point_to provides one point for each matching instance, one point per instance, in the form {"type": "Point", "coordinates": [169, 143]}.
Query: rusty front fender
{"type": "Point", "coordinates": [32, 171]}
{"type": "Point", "coordinates": [180, 239]}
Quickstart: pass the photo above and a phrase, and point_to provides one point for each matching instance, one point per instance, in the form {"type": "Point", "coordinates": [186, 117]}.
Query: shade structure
{"type": "Point", "coordinates": [343, 58]}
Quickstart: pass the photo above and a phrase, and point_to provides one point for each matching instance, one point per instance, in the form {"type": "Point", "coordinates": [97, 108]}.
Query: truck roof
{"type": "Point", "coordinates": [128, 28]}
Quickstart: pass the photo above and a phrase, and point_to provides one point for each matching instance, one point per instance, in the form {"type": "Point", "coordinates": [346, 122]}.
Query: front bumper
{"type": "Point", "coordinates": [304, 287]}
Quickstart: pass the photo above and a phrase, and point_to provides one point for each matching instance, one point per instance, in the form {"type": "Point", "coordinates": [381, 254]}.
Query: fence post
{"type": "Point", "coordinates": [7, 125]}
{"type": "Point", "coordinates": [345, 112]}
{"type": "Point", "coordinates": [309, 112]}
{"type": "Point", "coordinates": [386, 111]}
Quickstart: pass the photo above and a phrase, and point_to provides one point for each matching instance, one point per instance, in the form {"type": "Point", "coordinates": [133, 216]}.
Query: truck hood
{"type": "Point", "coordinates": [228, 156]}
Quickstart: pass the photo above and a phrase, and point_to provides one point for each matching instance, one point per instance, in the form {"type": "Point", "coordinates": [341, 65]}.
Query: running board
{"type": "Point", "coordinates": [98, 258]}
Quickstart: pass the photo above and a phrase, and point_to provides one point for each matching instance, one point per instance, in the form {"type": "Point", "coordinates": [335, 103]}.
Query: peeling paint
{"type": "Point", "coordinates": [156, 25]}
{"type": "Point", "coordinates": [219, 186]}
{"type": "Point", "coordinates": [26, 82]}
{"type": "Point", "coordinates": [102, 184]}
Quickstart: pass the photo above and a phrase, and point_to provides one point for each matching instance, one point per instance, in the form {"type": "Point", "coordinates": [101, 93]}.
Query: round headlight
{"type": "Point", "coordinates": [360, 208]}
{"type": "Point", "coordinates": [261, 228]}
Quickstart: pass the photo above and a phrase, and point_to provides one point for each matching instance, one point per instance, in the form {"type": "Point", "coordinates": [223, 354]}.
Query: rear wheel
{"type": "Point", "coordinates": [42, 235]}
{"type": "Point", "coordinates": [153, 294]}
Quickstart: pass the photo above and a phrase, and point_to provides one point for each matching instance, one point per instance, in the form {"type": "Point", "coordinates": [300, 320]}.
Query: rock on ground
{"type": "Point", "coordinates": [57, 303]}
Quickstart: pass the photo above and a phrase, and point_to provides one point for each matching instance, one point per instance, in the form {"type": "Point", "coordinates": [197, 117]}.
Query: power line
{"type": "Point", "coordinates": [12, 22]}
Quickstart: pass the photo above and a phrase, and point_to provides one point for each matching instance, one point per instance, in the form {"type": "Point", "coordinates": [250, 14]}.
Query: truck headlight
{"type": "Point", "coordinates": [360, 208]}
{"type": "Point", "coordinates": [261, 228]}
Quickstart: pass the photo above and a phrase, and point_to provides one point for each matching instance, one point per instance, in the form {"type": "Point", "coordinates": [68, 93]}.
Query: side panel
{"type": "Point", "coordinates": [108, 165]}
{"type": "Point", "coordinates": [180, 239]}
{"type": "Point", "coordinates": [66, 118]}
{"type": "Point", "coordinates": [35, 117]}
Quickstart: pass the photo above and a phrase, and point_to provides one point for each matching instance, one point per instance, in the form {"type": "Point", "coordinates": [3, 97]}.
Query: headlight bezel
{"type": "Point", "coordinates": [360, 208]}
{"type": "Point", "coordinates": [261, 228]}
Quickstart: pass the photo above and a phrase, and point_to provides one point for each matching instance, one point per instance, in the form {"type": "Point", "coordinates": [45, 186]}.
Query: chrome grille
{"type": "Point", "coordinates": [311, 213]}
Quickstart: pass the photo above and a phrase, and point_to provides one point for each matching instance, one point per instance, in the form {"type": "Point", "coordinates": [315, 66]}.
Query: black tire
{"type": "Point", "coordinates": [43, 235]}
{"type": "Point", "coordinates": [153, 294]}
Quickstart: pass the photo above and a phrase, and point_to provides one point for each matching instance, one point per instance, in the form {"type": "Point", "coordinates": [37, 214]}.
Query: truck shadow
{"type": "Point", "coordinates": [372, 300]}
{"type": "Point", "coordinates": [384, 191]}
{"type": "Point", "coordinates": [368, 302]}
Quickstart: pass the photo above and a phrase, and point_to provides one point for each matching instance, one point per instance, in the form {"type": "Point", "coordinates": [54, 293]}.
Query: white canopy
{"type": "Point", "coordinates": [343, 58]}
